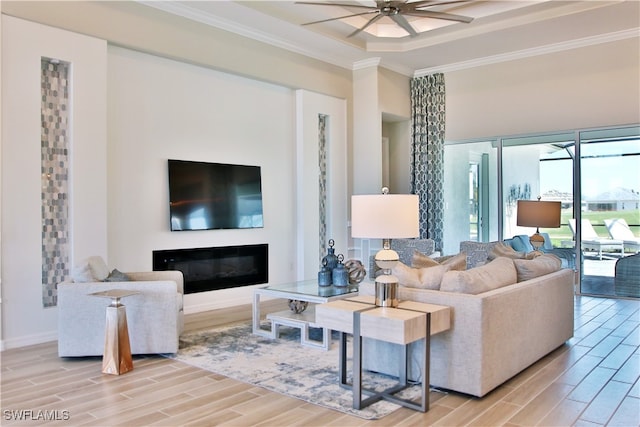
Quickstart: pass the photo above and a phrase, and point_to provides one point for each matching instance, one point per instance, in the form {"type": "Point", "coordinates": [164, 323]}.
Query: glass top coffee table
{"type": "Point", "coordinates": [302, 296]}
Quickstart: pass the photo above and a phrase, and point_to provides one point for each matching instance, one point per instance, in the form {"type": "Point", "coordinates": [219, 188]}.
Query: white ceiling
{"type": "Point", "coordinates": [501, 30]}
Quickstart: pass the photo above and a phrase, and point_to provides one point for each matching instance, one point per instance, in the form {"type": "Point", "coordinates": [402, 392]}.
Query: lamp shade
{"type": "Point", "coordinates": [536, 213]}
{"type": "Point", "coordinates": [385, 216]}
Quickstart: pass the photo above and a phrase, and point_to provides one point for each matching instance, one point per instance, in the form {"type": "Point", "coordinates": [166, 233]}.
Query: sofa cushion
{"type": "Point", "coordinates": [539, 266]}
{"type": "Point", "coordinates": [421, 278]}
{"type": "Point", "coordinates": [454, 262]}
{"type": "Point", "coordinates": [495, 274]}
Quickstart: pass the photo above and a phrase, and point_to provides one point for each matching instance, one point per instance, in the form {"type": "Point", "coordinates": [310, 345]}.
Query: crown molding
{"type": "Point", "coordinates": [528, 53]}
{"type": "Point", "coordinates": [366, 63]}
{"type": "Point", "coordinates": [193, 14]}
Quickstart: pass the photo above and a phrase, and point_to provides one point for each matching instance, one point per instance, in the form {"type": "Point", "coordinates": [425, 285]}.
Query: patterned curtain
{"type": "Point", "coordinates": [427, 153]}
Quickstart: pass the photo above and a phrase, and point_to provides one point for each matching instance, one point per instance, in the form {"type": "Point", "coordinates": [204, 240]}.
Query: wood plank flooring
{"type": "Point", "coordinates": [592, 380]}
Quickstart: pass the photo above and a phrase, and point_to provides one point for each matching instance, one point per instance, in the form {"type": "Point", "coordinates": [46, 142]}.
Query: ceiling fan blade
{"type": "Point", "coordinates": [341, 17]}
{"type": "Point", "coordinates": [371, 21]}
{"type": "Point", "coordinates": [401, 21]}
{"type": "Point", "coordinates": [439, 15]}
{"type": "Point", "coordinates": [315, 3]}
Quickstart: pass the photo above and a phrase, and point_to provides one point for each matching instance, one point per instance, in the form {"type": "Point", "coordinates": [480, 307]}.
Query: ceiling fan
{"type": "Point", "coordinates": [395, 9]}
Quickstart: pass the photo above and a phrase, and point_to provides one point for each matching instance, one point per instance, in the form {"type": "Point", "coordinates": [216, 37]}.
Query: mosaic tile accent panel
{"type": "Point", "coordinates": [322, 183]}
{"type": "Point", "coordinates": [55, 177]}
{"type": "Point", "coordinates": [427, 156]}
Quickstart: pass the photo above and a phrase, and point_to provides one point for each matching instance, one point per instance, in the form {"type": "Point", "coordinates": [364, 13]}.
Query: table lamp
{"type": "Point", "coordinates": [532, 213]}
{"type": "Point", "coordinates": [385, 216]}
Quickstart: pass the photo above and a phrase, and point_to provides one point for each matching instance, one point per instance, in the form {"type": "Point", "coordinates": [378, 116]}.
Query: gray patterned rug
{"type": "Point", "coordinates": [283, 366]}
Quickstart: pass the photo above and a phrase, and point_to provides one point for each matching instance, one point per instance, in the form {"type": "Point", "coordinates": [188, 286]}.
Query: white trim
{"type": "Point", "coordinates": [27, 340]}
{"type": "Point", "coordinates": [233, 27]}
{"type": "Point", "coordinates": [527, 53]}
{"type": "Point", "coordinates": [366, 63]}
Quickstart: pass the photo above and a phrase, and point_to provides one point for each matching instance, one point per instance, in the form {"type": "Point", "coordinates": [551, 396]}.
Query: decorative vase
{"type": "Point", "coordinates": [330, 258]}
{"type": "Point", "coordinates": [324, 275]}
{"type": "Point", "coordinates": [340, 275]}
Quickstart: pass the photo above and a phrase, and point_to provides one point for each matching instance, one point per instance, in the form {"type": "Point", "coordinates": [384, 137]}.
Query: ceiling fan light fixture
{"type": "Point", "coordinates": [397, 11]}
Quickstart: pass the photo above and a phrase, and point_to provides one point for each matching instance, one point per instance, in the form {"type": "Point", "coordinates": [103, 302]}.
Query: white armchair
{"type": "Point", "coordinates": [154, 316]}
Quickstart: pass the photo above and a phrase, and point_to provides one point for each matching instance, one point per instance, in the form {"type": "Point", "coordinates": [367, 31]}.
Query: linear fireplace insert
{"type": "Point", "coordinates": [210, 269]}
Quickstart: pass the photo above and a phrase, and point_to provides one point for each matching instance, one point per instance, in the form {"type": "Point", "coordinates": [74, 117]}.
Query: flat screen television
{"type": "Point", "coordinates": [209, 196]}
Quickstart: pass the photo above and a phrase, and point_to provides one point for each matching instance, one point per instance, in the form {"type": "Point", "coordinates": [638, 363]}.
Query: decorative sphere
{"type": "Point", "coordinates": [356, 271]}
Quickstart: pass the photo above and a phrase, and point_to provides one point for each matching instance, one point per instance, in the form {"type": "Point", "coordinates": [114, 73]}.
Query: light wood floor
{"type": "Point", "coordinates": [593, 380]}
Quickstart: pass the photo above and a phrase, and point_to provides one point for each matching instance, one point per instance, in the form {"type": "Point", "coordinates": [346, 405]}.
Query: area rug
{"type": "Point", "coordinates": [284, 366]}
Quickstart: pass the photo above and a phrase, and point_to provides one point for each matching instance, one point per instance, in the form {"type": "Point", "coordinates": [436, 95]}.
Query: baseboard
{"type": "Point", "coordinates": [25, 341]}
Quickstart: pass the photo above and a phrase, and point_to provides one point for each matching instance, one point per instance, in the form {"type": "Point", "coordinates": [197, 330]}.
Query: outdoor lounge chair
{"type": "Point", "coordinates": [592, 242]}
{"type": "Point", "coordinates": [619, 230]}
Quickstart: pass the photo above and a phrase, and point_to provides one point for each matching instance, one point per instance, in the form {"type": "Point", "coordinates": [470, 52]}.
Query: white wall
{"type": "Point", "coordinates": [131, 112]}
{"type": "Point", "coordinates": [309, 106]}
{"type": "Point", "coordinates": [579, 88]}
{"type": "Point", "coordinates": [24, 320]}
{"type": "Point", "coordinates": [161, 109]}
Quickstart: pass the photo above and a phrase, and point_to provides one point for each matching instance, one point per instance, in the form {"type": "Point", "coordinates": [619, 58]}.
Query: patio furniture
{"type": "Point", "coordinates": [627, 277]}
{"type": "Point", "coordinates": [592, 242]}
{"type": "Point", "coordinates": [619, 230]}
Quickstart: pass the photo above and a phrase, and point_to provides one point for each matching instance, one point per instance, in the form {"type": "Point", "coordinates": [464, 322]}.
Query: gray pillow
{"type": "Point", "coordinates": [117, 276]}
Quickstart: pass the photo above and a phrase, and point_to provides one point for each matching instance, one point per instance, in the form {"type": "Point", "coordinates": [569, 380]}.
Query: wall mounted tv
{"type": "Point", "coordinates": [209, 196]}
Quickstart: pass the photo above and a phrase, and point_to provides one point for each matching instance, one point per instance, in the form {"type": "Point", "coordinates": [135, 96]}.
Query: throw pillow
{"type": "Point", "coordinates": [117, 276]}
{"type": "Point", "coordinates": [541, 265]}
{"type": "Point", "coordinates": [420, 260]}
{"type": "Point", "coordinates": [98, 267]}
{"type": "Point", "coordinates": [82, 273]}
{"type": "Point", "coordinates": [502, 250]}
{"type": "Point", "coordinates": [454, 262]}
{"type": "Point", "coordinates": [421, 278]}
{"type": "Point", "coordinates": [495, 274]}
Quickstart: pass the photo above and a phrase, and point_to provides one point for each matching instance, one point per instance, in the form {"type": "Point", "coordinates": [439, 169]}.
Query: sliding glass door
{"type": "Point", "coordinates": [595, 174]}
{"type": "Point", "coordinates": [610, 209]}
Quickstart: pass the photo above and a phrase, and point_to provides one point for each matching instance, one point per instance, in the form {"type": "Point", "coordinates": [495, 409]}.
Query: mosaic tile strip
{"type": "Point", "coordinates": [322, 184]}
{"type": "Point", "coordinates": [427, 162]}
{"type": "Point", "coordinates": [55, 177]}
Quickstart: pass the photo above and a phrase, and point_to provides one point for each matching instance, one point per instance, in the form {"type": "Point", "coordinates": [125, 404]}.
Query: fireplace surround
{"type": "Point", "coordinates": [214, 268]}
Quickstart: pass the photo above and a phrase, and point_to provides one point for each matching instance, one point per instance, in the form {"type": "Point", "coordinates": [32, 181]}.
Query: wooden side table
{"type": "Point", "coordinates": [116, 358]}
{"type": "Point", "coordinates": [409, 322]}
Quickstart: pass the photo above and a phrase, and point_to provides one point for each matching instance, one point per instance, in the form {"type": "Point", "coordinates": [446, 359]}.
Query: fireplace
{"type": "Point", "coordinates": [210, 269]}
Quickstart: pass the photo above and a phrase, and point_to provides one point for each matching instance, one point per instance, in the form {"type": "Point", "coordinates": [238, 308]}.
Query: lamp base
{"type": "Point", "coordinates": [537, 241]}
{"type": "Point", "coordinates": [386, 291]}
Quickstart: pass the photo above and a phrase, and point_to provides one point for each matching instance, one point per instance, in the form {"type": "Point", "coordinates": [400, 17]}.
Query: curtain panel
{"type": "Point", "coordinates": [427, 153]}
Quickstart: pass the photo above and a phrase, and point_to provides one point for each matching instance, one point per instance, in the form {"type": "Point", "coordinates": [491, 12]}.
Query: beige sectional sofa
{"type": "Point", "coordinates": [494, 335]}
{"type": "Point", "coordinates": [154, 316]}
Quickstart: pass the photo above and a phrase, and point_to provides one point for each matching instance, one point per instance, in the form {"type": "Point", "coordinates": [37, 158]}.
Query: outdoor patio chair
{"type": "Point", "coordinates": [619, 230]}
{"type": "Point", "coordinates": [627, 277]}
{"type": "Point", "coordinates": [592, 242]}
